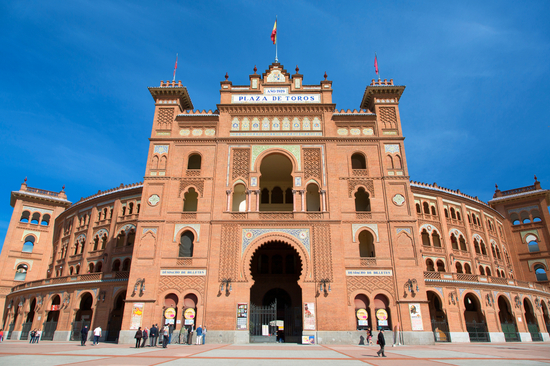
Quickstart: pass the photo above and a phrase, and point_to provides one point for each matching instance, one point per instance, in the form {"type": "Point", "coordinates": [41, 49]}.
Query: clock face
{"type": "Point", "coordinates": [154, 199]}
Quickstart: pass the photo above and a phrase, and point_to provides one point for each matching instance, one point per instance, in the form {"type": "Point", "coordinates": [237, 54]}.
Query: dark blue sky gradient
{"type": "Point", "coordinates": [75, 109]}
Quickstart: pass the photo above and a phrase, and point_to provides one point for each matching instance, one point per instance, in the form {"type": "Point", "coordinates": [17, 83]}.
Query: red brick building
{"type": "Point", "coordinates": [278, 210]}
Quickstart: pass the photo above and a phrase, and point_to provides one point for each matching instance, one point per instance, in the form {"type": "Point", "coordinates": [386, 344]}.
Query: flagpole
{"type": "Point", "coordinates": [277, 30]}
{"type": "Point", "coordinates": [175, 68]}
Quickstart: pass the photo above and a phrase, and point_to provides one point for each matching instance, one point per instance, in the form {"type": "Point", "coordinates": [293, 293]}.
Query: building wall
{"type": "Point", "coordinates": [316, 152]}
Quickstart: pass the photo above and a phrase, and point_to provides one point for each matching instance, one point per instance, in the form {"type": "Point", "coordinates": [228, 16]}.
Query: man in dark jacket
{"type": "Point", "coordinates": [84, 335]}
{"type": "Point", "coordinates": [381, 342]}
{"type": "Point", "coordinates": [153, 334]}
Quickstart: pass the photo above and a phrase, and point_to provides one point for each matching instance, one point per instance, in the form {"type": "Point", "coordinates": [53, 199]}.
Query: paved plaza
{"type": "Point", "coordinates": [15, 353]}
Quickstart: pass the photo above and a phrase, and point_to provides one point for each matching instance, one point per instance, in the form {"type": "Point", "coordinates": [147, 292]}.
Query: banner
{"type": "Point", "coordinates": [416, 317]}
{"type": "Point", "coordinates": [309, 316]}
{"type": "Point", "coordinates": [137, 315]}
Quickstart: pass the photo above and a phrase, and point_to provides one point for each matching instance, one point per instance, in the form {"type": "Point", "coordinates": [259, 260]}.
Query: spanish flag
{"type": "Point", "coordinates": [274, 33]}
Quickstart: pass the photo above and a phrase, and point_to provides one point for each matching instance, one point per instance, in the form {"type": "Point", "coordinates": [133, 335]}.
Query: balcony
{"type": "Point", "coordinates": [99, 276]}
{"type": "Point", "coordinates": [446, 276]}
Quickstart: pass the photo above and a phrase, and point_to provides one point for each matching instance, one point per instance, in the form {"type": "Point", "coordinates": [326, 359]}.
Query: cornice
{"type": "Point", "coordinates": [261, 109]}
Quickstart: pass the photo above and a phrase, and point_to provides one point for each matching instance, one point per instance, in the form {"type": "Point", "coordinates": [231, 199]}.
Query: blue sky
{"type": "Point", "coordinates": [75, 109]}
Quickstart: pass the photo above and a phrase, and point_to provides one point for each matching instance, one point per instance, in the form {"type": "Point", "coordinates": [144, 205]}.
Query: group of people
{"type": "Point", "coordinates": [380, 341]}
{"type": "Point", "coordinates": [166, 332]}
{"type": "Point", "coordinates": [35, 335]}
{"type": "Point", "coordinates": [84, 335]}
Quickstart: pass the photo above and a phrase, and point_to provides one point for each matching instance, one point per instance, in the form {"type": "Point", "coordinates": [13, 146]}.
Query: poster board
{"type": "Point", "coordinates": [309, 316]}
{"type": "Point", "coordinates": [242, 316]}
{"type": "Point", "coordinates": [416, 317]}
{"type": "Point", "coordinates": [137, 315]}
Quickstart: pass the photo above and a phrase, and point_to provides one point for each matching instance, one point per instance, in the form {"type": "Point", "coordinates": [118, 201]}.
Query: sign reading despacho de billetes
{"type": "Point", "coordinates": [183, 272]}
{"type": "Point", "coordinates": [270, 98]}
{"type": "Point", "coordinates": [369, 272]}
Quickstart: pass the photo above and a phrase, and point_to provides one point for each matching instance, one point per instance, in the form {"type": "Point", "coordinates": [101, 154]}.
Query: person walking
{"type": "Point", "coordinates": [153, 334]}
{"type": "Point", "coordinates": [145, 335]}
{"type": "Point", "coordinates": [1, 335]}
{"type": "Point", "coordinates": [84, 335]}
{"type": "Point", "coordinates": [381, 342]}
{"type": "Point", "coordinates": [138, 336]}
{"type": "Point", "coordinates": [97, 335]}
{"type": "Point", "coordinates": [165, 335]}
{"type": "Point", "coordinates": [204, 335]}
{"type": "Point", "coordinates": [369, 337]}
{"type": "Point", "coordinates": [199, 334]}
{"type": "Point", "coordinates": [190, 335]}
{"type": "Point", "coordinates": [38, 335]}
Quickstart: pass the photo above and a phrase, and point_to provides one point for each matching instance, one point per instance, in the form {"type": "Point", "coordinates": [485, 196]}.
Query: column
{"type": "Point", "coordinates": [303, 192]}
{"type": "Point", "coordinates": [248, 195]}
{"type": "Point", "coordinates": [294, 200]}
{"type": "Point", "coordinates": [257, 200]}
{"type": "Point", "coordinates": [323, 200]}
{"type": "Point", "coordinates": [228, 192]}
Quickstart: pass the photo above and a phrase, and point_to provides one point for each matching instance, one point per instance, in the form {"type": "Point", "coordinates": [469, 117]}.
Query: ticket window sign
{"type": "Point", "coordinates": [382, 318]}
{"type": "Point", "coordinates": [362, 318]}
{"type": "Point", "coordinates": [189, 316]}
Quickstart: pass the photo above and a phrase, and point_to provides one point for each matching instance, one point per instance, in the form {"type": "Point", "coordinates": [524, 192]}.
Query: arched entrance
{"type": "Point", "coordinates": [276, 179]}
{"type": "Point", "coordinates": [275, 297]}
{"type": "Point", "coordinates": [507, 320]}
{"type": "Point", "coordinates": [115, 318]}
{"type": "Point", "coordinates": [83, 316]}
{"type": "Point", "coordinates": [189, 321]}
{"type": "Point", "coordinates": [50, 325]}
{"type": "Point", "coordinates": [545, 316]}
{"type": "Point", "coordinates": [440, 326]}
{"type": "Point", "coordinates": [475, 320]}
{"type": "Point", "coordinates": [531, 321]}
{"type": "Point", "coordinates": [26, 328]}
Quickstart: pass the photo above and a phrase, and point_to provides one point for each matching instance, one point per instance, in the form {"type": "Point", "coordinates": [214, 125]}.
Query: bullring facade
{"type": "Point", "coordinates": [276, 211]}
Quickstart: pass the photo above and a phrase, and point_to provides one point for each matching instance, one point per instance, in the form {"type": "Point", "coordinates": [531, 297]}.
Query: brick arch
{"type": "Point", "coordinates": [276, 150]}
{"type": "Point", "coordinates": [433, 228]}
{"type": "Point", "coordinates": [185, 190]}
{"type": "Point", "coordinates": [251, 250]}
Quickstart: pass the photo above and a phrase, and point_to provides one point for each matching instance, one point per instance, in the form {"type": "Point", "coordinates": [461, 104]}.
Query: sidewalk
{"type": "Point", "coordinates": [15, 353]}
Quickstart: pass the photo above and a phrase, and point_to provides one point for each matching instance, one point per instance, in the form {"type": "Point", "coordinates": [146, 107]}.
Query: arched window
{"type": "Point", "coordinates": [358, 161]}
{"type": "Point", "coordinates": [458, 215]}
{"type": "Point", "coordinates": [313, 198]}
{"type": "Point", "coordinates": [462, 243]}
{"type": "Point", "coordinates": [426, 208]}
{"type": "Point", "coordinates": [467, 268]}
{"type": "Point", "coordinates": [453, 213]}
{"type": "Point", "coordinates": [434, 212]}
{"type": "Point", "coordinates": [397, 162]}
{"type": "Point", "coordinates": [265, 196]}
{"type": "Point", "coordinates": [239, 198]}
{"type": "Point", "coordinates": [120, 239]}
{"type": "Point", "coordinates": [99, 267]}
{"type": "Point", "coordinates": [77, 269]}
{"type": "Point", "coordinates": [458, 267]}
{"type": "Point", "coordinates": [498, 253]}
{"type": "Point", "coordinates": [478, 221]}
{"type": "Point", "coordinates": [25, 216]}
{"type": "Point", "coordinates": [186, 244]}
{"type": "Point", "coordinates": [131, 238]}
{"type": "Point", "coordinates": [430, 265]}
{"type": "Point", "coordinates": [191, 200]}
{"type": "Point", "coordinates": [130, 208]}
{"type": "Point", "coordinates": [116, 266]}
{"type": "Point", "coordinates": [389, 162]}
{"type": "Point", "coordinates": [96, 242]}
{"type": "Point", "coordinates": [469, 218]}
{"type": "Point", "coordinates": [540, 272]}
{"type": "Point", "coordinates": [362, 201]}
{"type": "Point", "coordinates": [91, 268]}
{"type": "Point", "coordinates": [35, 218]}
{"type": "Point", "coordinates": [28, 246]}
{"type": "Point", "coordinates": [366, 244]}
{"type": "Point", "coordinates": [194, 161]}
{"type": "Point", "coordinates": [488, 271]}
{"type": "Point", "coordinates": [425, 238]}
{"type": "Point", "coordinates": [481, 271]}
{"type": "Point", "coordinates": [454, 242]}
{"type": "Point", "coordinates": [277, 195]}
{"type": "Point", "coordinates": [446, 213]}
{"type": "Point", "coordinates": [21, 272]}
{"type": "Point", "coordinates": [440, 266]}
{"type": "Point", "coordinates": [103, 241]}
{"type": "Point", "coordinates": [418, 210]}
{"type": "Point", "coordinates": [476, 246]}
{"type": "Point", "coordinates": [532, 243]}
{"type": "Point", "coordinates": [289, 197]}
{"type": "Point", "coordinates": [126, 265]}
{"type": "Point", "coordinates": [45, 220]}
{"type": "Point", "coordinates": [483, 248]}
{"type": "Point", "coordinates": [436, 240]}
{"type": "Point", "coordinates": [493, 251]}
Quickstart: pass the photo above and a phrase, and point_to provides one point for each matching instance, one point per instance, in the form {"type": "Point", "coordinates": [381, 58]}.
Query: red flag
{"type": "Point", "coordinates": [274, 33]}
{"type": "Point", "coordinates": [375, 64]}
{"type": "Point", "coordinates": [175, 68]}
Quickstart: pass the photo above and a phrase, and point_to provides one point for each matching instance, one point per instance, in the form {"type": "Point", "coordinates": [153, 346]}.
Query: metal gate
{"type": "Point", "coordinates": [10, 330]}
{"type": "Point", "coordinates": [77, 327]}
{"type": "Point", "coordinates": [48, 331]}
{"type": "Point", "coordinates": [477, 332]}
{"type": "Point", "coordinates": [535, 334]}
{"type": "Point", "coordinates": [441, 331]}
{"type": "Point", "coordinates": [510, 332]}
{"type": "Point", "coordinates": [263, 328]}
{"type": "Point", "coordinates": [25, 331]}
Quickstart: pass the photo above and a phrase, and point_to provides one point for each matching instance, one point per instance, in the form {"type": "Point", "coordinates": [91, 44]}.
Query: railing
{"type": "Point", "coordinates": [189, 216]}
{"type": "Point", "coordinates": [99, 276]}
{"type": "Point", "coordinates": [455, 222]}
{"type": "Point", "coordinates": [463, 253]}
{"type": "Point", "coordinates": [519, 190]}
{"type": "Point", "coordinates": [426, 216]}
{"type": "Point", "coordinates": [276, 215]}
{"type": "Point", "coordinates": [431, 275]}
{"type": "Point", "coordinates": [367, 262]}
{"type": "Point", "coordinates": [184, 262]}
{"type": "Point", "coordinates": [43, 191]}
{"type": "Point", "coordinates": [476, 227]}
{"type": "Point", "coordinates": [193, 172]}
{"type": "Point", "coordinates": [429, 248]}
{"type": "Point", "coordinates": [359, 172]}
{"type": "Point", "coordinates": [125, 249]}
{"type": "Point", "coordinates": [363, 216]}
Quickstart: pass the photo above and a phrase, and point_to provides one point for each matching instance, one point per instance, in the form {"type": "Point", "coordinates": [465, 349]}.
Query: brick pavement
{"type": "Point", "coordinates": [15, 353]}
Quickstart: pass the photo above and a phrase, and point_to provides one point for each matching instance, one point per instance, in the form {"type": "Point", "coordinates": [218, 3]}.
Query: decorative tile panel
{"type": "Point", "coordinates": [196, 227]}
{"type": "Point", "coordinates": [391, 148]}
{"type": "Point", "coordinates": [161, 149]}
{"type": "Point", "coordinates": [249, 235]}
{"type": "Point", "coordinates": [293, 149]}
{"type": "Point", "coordinates": [373, 227]}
